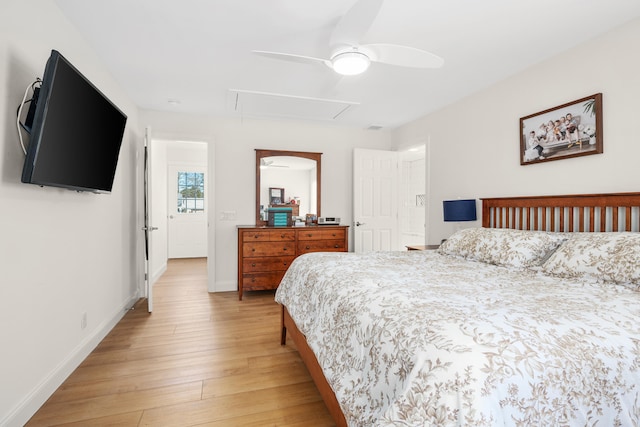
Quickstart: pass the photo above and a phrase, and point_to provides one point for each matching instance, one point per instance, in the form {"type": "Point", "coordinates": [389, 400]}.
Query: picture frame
{"type": "Point", "coordinates": [569, 130]}
{"type": "Point", "coordinates": [311, 219]}
{"type": "Point", "coordinates": [276, 195]}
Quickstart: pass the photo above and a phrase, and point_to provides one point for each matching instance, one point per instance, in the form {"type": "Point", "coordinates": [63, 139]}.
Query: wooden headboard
{"type": "Point", "coordinates": [581, 212]}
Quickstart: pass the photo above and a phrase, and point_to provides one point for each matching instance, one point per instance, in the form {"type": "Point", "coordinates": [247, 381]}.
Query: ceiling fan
{"type": "Point", "coordinates": [349, 57]}
{"type": "Point", "coordinates": [270, 164]}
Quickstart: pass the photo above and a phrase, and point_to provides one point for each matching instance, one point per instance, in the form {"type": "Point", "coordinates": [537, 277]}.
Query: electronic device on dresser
{"type": "Point", "coordinates": [328, 220]}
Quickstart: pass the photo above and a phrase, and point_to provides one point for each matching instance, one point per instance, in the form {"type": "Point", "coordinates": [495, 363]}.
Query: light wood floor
{"type": "Point", "coordinates": [199, 359]}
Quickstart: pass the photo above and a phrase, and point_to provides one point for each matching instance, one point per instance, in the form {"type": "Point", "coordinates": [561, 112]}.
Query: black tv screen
{"type": "Point", "coordinates": [76, 132]}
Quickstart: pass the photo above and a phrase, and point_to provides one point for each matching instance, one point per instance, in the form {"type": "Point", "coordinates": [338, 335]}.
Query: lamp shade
{"type": "Point", "coordinates": [459, 210]}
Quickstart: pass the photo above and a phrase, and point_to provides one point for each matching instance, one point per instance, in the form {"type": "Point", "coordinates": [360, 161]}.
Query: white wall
{"type": "Point", "coordinates": [235, 141]}
{"type": "Point", "coordinates": [474, 143]}
{"type": "Point", "coordinates": [62, 253]}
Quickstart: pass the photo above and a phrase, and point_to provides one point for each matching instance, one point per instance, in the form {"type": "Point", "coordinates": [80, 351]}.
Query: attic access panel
{"type": "Point", "coordinates": [253, 103]}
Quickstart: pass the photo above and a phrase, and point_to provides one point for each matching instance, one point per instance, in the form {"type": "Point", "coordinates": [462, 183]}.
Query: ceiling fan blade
{"type": "Point", "coordinates": [292, 58]}
{"type": "Point", "coordinates": [355, 23]}
{"type": "Point", "coordinates": [403, 56]}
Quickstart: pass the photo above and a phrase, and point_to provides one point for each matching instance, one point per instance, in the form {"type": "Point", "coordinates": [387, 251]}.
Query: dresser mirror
{"type": "Point", "coordinates": [291, 178]}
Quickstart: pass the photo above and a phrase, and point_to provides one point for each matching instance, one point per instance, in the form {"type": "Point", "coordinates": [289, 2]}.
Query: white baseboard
{"type": "Point", "coordinates": [34, 400]}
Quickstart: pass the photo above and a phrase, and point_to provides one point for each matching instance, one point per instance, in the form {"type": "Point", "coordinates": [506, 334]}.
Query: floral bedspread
{"type": "Point", "coordinates": [421, 339]}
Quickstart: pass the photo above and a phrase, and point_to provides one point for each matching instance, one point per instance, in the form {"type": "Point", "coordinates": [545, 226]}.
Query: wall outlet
{"type": "Point", "coordinates": [83, 321]}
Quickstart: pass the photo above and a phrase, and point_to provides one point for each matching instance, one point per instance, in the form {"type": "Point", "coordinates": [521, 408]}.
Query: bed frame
{"type": "Point", "coordinates": [572, 213]}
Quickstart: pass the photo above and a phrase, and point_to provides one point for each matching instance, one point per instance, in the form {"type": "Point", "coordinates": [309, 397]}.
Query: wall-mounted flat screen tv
{"type": "Point", "coordinates": [76, 132]}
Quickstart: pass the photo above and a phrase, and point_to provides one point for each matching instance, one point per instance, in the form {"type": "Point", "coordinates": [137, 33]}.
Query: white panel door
{"type": "Point", "coordinates": [375, 210]}
{"type": "Point", "coordinates": [187, 222]}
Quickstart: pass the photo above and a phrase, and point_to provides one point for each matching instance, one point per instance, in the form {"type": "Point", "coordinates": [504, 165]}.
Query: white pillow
{"type": "Point", "coordinates": [503, 246]}
{"type": "Point", "coordinates": [606, 257]}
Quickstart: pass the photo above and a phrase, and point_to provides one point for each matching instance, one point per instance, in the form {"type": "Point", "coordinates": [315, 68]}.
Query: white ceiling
{"type": "Point", "coordinates": [194, 56]}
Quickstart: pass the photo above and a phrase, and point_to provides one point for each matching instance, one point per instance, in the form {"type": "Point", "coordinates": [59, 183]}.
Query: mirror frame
{"type": "Point", "coordinates": [260, 154]}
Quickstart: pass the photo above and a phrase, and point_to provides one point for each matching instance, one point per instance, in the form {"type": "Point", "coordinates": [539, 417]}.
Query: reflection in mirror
{"type": "Point", "coordinates": [288, 182]}
{"type": "Point", "coordinates": [287, 179]}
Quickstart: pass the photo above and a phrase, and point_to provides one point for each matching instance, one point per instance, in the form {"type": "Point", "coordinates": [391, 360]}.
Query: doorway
{"type": "Point", "coordinates": [413, 197]}
{"type": "Point", "coordinates": [168, 157]}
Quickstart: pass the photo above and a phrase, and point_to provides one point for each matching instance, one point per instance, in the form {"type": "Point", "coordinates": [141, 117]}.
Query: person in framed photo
{"type": "Point", "coordinates": [572, 129]}
{"type": "Point", "coordinates": [534, 149]}
{"type": "Point", "coordinates": [551, 135]}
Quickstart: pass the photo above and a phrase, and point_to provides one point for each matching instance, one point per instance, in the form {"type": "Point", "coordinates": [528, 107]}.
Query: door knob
{"type": "Point", "coordinates": [358, 223]}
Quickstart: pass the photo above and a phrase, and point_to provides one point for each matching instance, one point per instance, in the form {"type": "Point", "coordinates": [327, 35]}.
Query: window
{"type": "Point", "coordinates": [190, 192]}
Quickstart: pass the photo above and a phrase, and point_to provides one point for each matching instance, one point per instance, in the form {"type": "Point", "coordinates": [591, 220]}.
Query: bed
{"type": "Point", "coordinates": [532, 319]}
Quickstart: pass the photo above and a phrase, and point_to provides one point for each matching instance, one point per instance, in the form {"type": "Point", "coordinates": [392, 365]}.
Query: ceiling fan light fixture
{"type": "Point", "coordinates": [350, 63]}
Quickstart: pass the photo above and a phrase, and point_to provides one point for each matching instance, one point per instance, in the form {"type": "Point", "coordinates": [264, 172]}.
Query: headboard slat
{"type": "Point", "coordinates": [571, 219]}
{"type": "Point", "coordinates": [627, 217]}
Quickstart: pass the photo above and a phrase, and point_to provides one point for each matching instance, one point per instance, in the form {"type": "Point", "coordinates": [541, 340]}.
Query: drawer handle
{"type": "Point", "coordinates": [308, 247]}
{"type": "Point", "coordinates": [309, 235]}
{"type": "Point", "coordinates": [282, 236]}
{"type": "Point", "coordinates": [284, 249]}
{"type": "Point", "coordinates": [253, 265]}
{"type": "Point", "coordinates": [336, 246]}
{"type": "Point", "coordinates": [253, 249]}
{"type": "Point", "coordinates": [284, 263]}
{"type": "Point", "coordinates": [334, 234]}
{"type": "Point", "coordinates": [256, 236]}
{"type": "Point", "coordinates": [253, 280]}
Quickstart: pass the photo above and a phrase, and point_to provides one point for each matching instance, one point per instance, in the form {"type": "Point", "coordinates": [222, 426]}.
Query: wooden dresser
{"type": "Point", "coordinates": [265, 253]}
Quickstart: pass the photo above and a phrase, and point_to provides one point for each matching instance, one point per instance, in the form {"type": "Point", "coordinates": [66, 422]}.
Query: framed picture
{"type": "Point", "coordinates": [311, 219]}
{"type": "Point", "coordinates": [569, 130]}
{"type": "Point", "coordinates": [276, 195]}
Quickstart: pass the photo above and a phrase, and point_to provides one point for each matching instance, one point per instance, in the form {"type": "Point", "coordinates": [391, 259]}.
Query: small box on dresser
{"type": "Point", "coordinates": [265, 253]}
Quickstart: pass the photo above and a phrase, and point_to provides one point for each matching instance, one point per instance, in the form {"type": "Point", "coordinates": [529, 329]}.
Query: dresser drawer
{"type": "Point", "coordinates": [257, 249]}
{"type": "Point", "coordinates": [255, 236]}
{"type": "Point", "coordinates": [269, 236]}
{"type": "Point", "coordinates": [251, 265]}
{"type": "Point", "coordinates": [282, 235]}
{"type": "Point", "coordinates": [319, 234]}
{"type": "Point", "coordinates": [262, 281]}
{"type": "Point", "coordinates": [320, 246]}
